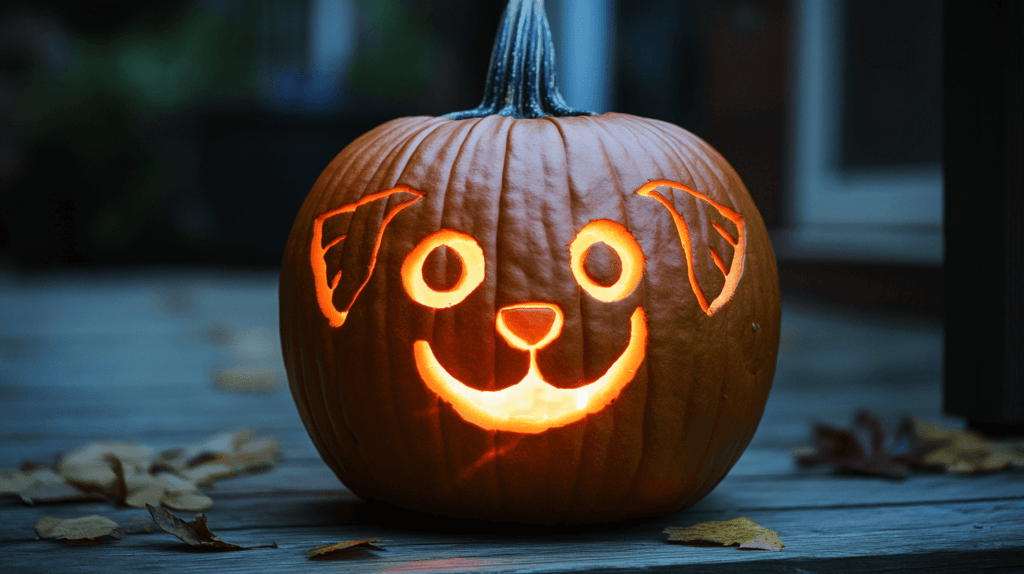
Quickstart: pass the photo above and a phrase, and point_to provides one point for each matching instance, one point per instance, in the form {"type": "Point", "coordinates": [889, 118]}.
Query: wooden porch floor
{"type": "Point", "coordinates": [87, 357]}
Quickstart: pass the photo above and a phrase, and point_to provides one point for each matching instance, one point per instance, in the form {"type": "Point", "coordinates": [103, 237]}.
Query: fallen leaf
{"type": "Point", "coordinates": [136, 476]}
{"type": "Point", "coordinates": [961, 451]}
{"type": "Point", "coordinates": [85, 529]}
{"type": "Point", "coordinates": [142, 489]}
{"type": "Point", "coordinates": [196, 533]}
{"type": "Point", "coordinates": [871, 446]}
{"type": "Point", "coordinates": [867, 447]}
{"type": "Point", "coordinates": [41, 485]}
{"type": "Point", "coordinates": [331, 549]}
{"type": "Point", "coordinates": [740, 531]}
{"type": "Point", "coordinates": [208, 473]}
{"type": "Point", "coordinates": [257, 454]}
{"type": "Point", "coordinates": [92, 466]}
{"type": "Point", "coordinates": [217, 447]}
{"type": "Point", "coordinates": [181, 494]}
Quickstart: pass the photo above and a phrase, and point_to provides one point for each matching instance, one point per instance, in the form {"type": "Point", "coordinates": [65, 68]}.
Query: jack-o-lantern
{"type": "Point", "coordinates": [525, 312]}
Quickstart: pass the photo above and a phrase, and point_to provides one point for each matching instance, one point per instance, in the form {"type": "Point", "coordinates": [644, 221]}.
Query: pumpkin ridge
{"type": "Point", "coordinates": [654, 146]}
{"type": "Point", "coordinates": [344, 425]}
{"type": "Point", "coordinates": [591, 123]}
{"type": "Point", "coordinates": [576, 226]}
{"type": "Point", "coordinates": [498, 228]}
{"type": "Point", "coordinates": [397, 159]}
{"type": "Point", "coordinates": [371, 149]}
{"type": "Point", "coordinates": [452, 474]}
{"type": "Point", "coordinates": [642, 298]}
{"type": "Point", "coordinates": [700, 149]}
{"type": "Point", "coordinates": [702, 478]}
{"type": "Point", "coordinates": [421, 148]}
{"type": "Point", "coordinates": [694, 147]}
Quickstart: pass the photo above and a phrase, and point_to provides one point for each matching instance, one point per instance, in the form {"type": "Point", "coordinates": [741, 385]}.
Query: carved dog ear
{"type": "Point", "coordinates": [318, 251]}
{"type": "Point", "coordinates": [738, 243]}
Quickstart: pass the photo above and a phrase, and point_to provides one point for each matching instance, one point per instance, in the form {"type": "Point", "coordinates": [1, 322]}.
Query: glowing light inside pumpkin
{"type": "Point", "coordinates": [473, 269]}
{"type": "Point", "coordinates": [318, 251]}
{"type": "Point", "coordinates": [533, 405]}
{"type": "Point", "coordinates": [739, 243]}
{"type": "Point", "coordinates": [622, 242]}
{"type": "Point", "coordinates": [530, 326]}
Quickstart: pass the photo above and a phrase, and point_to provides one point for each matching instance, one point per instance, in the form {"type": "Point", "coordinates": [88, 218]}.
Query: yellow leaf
{"type": "Point", "coordinates": [739, 531]}
{"type": "Point", "coordinates": [85, 529]}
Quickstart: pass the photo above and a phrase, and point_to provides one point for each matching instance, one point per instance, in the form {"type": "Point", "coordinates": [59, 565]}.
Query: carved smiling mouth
{"type": "Point", "coordinates": [533, 405]}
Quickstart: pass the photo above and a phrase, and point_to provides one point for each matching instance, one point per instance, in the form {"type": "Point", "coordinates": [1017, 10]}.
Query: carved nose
{"type": "Point", "coordinates": [529, 325]}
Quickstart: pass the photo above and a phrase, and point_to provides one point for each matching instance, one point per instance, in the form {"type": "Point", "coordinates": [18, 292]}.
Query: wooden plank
{"type": "Point", "coordinates": [925, 534]}
{"type": "Point", "coordinates": [86, 358]}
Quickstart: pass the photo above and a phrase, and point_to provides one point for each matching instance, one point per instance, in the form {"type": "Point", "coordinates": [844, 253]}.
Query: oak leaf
{"type": "Point", "coordinates": [197, 533]}
{"type": "Point", "coordinates": [872, 446]}
{"type": "Point", "coordinates": [867, 447]}
{"type": "Point", "coordinates": [331, 549]}
{"type": "Point", "coordinates": [740, 531]}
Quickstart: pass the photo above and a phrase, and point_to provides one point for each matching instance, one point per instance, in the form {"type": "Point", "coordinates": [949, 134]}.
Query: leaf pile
{"type": "Point", "coordinates": [197, 533]}
{"type": "Point", "coordinates": [740, 531]}
{"type": "Point", "coordinates": [872, 446]}
{"type": "Point", "coordinates": [136, 475]}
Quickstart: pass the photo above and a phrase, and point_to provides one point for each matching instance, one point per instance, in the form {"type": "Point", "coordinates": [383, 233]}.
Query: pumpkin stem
{"type": "Point", "coordinates": [521, 78]}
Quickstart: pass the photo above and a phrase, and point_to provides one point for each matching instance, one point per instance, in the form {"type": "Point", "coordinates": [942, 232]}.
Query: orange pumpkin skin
{"type": "Point", "coordinates": [523, 189]}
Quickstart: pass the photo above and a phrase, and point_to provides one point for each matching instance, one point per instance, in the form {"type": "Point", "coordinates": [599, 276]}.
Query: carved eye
{"type": "Point", "coordinates": [468, 251]}
{"type": "Point", "coordinates": [622, 242]}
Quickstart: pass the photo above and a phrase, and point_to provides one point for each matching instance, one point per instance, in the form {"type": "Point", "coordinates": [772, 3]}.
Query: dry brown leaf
{"type": "Point", "coordinates": [871, 446]}
{"type": "Point", "coordinates": [197, 533]}
{"type": "Point", "coordinates": [739, 531]}
{"type": "Point", "coordinates": [208, 473]}
{"type": "Point", "coordinates": [331, 549]}
{"type": "Point", "coordinates": [135, 475]}
{"type": "Point", "coordinates": [92, 466]}
{"type": "Point", "coordinates": [216, 448]}
{"type": "Point", "coordinates": [142, 489]}
{"type": "Point", "coordinates": [257, 454]}
{"type": "Point", "coordinates": [181, 494]}
{"type": "Point", "coordinates": [86, 529]}
{"type": "Point", "coordinates": [41, 485]}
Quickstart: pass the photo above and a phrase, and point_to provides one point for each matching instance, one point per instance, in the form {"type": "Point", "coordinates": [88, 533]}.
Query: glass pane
{"type": "Point", "coordinates": [892, 83]}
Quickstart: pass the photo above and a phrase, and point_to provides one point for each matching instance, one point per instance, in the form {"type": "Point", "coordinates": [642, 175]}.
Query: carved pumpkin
{"type": "Point", "coordinates": [524, 312]}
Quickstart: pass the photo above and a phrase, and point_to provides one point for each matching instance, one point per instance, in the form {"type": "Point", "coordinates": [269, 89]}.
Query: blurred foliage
{"type": "Point", "coordinates": [95, 130]}
{"type": "Point", "coordinates": [197, 55]}
{"type": "Point", "coordinates": [394, 61]}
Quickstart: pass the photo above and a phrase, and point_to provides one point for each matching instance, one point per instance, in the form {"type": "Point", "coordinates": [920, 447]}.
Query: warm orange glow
{"type": "Point", "coordinates": [473, 268]}
{"type": "Point", "coordinates": [532, 405]}
{"type": "Point", "coordinates": [487, 458]}
{"type": "Point", "coordinates": [530, 326]}
{"type": "Point", "coordinates": [318, 251]}
{"type": "Point", "coordinates": [622, 242]}
{"type": "Point", "coordinates": [739, 243]}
